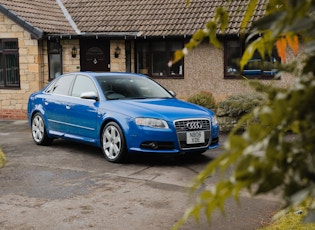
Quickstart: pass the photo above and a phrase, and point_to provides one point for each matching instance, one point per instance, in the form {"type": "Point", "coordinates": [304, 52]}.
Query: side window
{"type": "Point", "coordinates": [158, 59]}
{"type": "Point", "coordinates": [143, 58]}
{"type": "Point", "coordinates": [152, 58]}
{"type": "Point", "coordinates": [263, 68]}
{"type": "Point", "coordinates": [257, 67]}
{"type": "Point", "coordinates": [50, 88]}
{"type": "Point", "coordinates": [62, 85]}
{"type": "Point", "coordinates": [82, 84]}
{"type": "Point", "coordinates": [232, 55]}
{"type": "Point", "coordinates": [55, 59]}
{"type": "Point", "coordinates": [176, 68]}
{"type": "Point", "coordinates": [9, 63]}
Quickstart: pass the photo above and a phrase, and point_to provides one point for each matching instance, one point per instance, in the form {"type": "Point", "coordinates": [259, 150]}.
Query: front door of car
{"type": "Point", "coordinates": [81, 114]}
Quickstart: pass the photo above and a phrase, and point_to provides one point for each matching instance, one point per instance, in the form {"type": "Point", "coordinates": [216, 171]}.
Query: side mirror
{"type": "Point", "coordinates": [89, 95]}
{"type": "Point", "coordinates": [172, 93]}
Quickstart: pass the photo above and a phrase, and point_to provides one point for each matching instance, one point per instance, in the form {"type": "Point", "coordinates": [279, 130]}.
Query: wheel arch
{"type": "Point", "coordinates": [42, 113]}
{"type": "Point", "coordinates": [122, 127]}
{"type": "Point", "coordinates": [44, 138]}
{"type": "Point", "coordinates": [38, 109]}
{"type": "Point", "coordinates": [114, 151]}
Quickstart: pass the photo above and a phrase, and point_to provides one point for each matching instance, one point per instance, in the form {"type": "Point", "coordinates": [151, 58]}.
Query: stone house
{"type": "Point", "coordinates": [41, 39]}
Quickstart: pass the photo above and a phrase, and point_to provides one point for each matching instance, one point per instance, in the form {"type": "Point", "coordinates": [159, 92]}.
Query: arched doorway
{"type": "Point", "coordinates": [94, 55]}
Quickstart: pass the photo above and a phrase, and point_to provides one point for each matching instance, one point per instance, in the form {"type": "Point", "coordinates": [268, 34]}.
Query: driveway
{"type": "Point", "coordinates": [71, 186]}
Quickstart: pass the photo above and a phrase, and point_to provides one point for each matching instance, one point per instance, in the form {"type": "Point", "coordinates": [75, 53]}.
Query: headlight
{"type": "Point", "coordinates": [151, 122]}
{"type": "Point", "coordinates": [214, 120]}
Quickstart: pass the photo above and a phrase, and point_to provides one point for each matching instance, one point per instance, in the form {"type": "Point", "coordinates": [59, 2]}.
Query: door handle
{"type": "Point", "coordinates": [46, 102]}
{"type": "Point", "coordinates": [67, 106]}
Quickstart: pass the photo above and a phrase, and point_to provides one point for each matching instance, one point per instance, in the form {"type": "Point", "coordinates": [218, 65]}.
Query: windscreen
{"type": "Point", "coordinates": [128, 87]}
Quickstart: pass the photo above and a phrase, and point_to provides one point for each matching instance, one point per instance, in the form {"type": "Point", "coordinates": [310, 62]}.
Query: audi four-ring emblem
{"type": "Point", "coordinates": [194, 125]}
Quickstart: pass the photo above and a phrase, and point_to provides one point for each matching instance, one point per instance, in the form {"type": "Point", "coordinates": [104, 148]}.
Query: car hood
{"type": "Point", "coordinates": [167, 109]}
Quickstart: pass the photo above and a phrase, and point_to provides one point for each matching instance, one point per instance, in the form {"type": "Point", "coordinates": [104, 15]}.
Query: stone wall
{"type": "Point", "coordinates": [203, 71]}
{"type": "Point", "coordinates": [13, 102]}
{"type": "Point", "coordinates": [33, 63]}
{"type": "Point", "coordinates": [69, 63]}
{"type": "Point", "coordinates": [117, 64]}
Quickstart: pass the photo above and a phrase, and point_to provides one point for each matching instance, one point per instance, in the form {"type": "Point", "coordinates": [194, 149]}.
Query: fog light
{"type": "Point", "coordinates": [154, 145]}
{"type": "Point", "coordinates": [149, 145]}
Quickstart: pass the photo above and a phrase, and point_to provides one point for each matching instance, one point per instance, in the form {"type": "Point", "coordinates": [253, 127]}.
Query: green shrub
{"type": "Point", "coordinates": [2, 158]}
{"type": "Point", "coordinates": [238, 105]}
{"type": "Point", "coordinates": [234, 107]}
{"type": "Point", "coordinates": [204, 99]}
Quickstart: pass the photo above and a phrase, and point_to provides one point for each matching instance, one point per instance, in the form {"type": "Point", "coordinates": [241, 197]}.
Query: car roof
{"type": "Point", "coordinates": [109, 74]}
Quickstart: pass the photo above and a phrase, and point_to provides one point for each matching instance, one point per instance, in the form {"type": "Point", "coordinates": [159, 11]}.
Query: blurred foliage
{"type": "Point", "coordinates": [292, 220]}
{"type": "Point", "coordinates": [277, 153]}
{"type": "Point", "coordinates": [2, 158]}
{"type": "Point", "coordinates": [204, 99]}
{"type": "Point", "coordinates": [240, 104]}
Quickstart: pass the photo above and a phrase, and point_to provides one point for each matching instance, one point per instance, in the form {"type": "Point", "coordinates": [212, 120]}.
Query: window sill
{"type": "Point", "coordinates": [257, 77]}
{"type": "Point", "coordinates": [10, 88]}
{"type": "Point", "coordinates": [168, 77]}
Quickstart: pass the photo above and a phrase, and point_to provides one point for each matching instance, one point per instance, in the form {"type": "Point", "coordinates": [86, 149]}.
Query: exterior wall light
{"type": "Point", "coordinates": [117, 52]}
{"type": "Point", "coordinates": [74, 52]}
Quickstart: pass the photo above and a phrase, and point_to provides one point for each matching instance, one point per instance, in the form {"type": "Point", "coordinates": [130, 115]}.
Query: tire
{"type": "Point", "coordinates": [113, 143]}
{"type": "Point", "coordinates": [39, 132]}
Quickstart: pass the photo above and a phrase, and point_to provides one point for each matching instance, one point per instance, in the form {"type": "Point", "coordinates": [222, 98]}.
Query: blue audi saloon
{"type": "Point", "coordinates": [122, 113]}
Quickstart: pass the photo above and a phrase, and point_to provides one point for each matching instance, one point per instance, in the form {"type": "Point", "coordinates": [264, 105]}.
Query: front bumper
{"type": "Point", "coordinates": [172, 140]}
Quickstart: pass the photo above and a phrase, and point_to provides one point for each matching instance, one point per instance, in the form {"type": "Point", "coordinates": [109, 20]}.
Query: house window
{"type": "Point", "coordinates": [256, 68]}
{"type": "Point", "coordinates": [55, 59]}
{"type": "Point", "coordinates": [153, 56]}
{"type": "Point", "coordinates": [9, 63]}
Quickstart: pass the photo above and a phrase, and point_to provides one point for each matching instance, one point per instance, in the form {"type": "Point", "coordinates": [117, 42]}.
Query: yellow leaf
{"type": "Point", "coordinates": [178, 55]}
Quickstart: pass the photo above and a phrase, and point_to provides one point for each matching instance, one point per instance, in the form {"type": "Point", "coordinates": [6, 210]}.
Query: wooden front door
{"type": "Point", "coordinates": [94, 55]}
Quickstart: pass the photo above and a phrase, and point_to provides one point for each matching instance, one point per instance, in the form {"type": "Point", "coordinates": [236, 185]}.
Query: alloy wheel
{"type": "Point", "coordinates": [113, 142]}
{"type": "Point", "coordinates": [38, 128]}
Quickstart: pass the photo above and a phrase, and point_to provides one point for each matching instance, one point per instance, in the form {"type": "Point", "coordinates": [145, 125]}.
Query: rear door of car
{"type": "Point", "coordinates": [55, 104]}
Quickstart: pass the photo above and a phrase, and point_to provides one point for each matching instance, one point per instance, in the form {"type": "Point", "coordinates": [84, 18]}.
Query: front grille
{"type": "Point", "coordinates": [191, 125]}
{"type": "Point", "coordinates": [181, 125]}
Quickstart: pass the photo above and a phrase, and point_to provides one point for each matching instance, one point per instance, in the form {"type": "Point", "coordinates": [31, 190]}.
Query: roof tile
{"type": "Point", "coordinates": [43, 14]}
{"type": "Point", "coordinates": [150, 17]}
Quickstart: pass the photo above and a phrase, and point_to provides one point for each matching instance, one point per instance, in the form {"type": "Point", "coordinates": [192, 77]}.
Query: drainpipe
{"type": "Point", "coordinates": [41, 64]}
